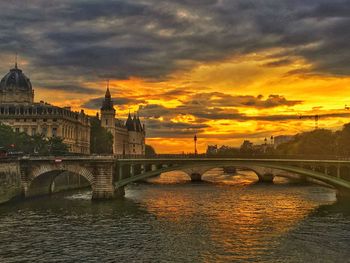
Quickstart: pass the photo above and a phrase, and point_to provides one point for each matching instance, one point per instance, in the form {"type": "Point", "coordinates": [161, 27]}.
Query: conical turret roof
{"type": "Point", "coordinates": [107, 102]}
{"type": "Point", "coordinates": [130, 123]}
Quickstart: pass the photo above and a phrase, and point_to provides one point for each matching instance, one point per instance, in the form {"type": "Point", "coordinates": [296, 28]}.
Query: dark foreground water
{"type": "Point", "coordinates": [231, 219]}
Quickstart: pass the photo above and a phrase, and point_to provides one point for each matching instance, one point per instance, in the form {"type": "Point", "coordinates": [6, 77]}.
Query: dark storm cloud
{"type": "Point", "coordinates": [278, 63]}
{"type": "Point", "coordinates": [71, 89]}
{"type": "Point", "coordinates": [165, 127]}
{"type": "Point", "coordinates": [155, 111]}
{"type": "Point", "coordinates": [158, 128]}
{"type": "Point", "coordinates": [215, 106]}
{"type": "Point", "coordinates": [218, 99]}
{"type": "Point", "coordinates": [98, 39]}
{"type": "Point", "coordinates": [96, 103]}
{"type": "Point", "coordinates": [219, 106]}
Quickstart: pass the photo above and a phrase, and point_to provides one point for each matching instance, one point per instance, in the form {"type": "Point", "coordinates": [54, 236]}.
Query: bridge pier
{"type": "Point", "coordinates": [119, 192]}
{"type": "Point", "coordinates": [266, 178]}
{"type": "Point", "coordinates": [103, 187]}
{"type": "Point", "coordinates": [196, 177]}
{"type": "Point", "coordinates": [343, 195]}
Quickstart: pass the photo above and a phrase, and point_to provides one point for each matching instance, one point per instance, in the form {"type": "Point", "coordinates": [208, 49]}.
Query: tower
{"type": "Point", "coordinates": [108, 112]}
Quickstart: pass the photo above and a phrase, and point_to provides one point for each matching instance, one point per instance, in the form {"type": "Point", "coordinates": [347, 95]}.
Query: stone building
{"type": "Point", "coordinates": [18, 110]}
{"type": "Point", "coordinates": [129, 136]}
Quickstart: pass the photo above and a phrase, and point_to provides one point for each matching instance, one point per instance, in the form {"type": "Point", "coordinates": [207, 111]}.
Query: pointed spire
{"type": "Point", "coordinates": [107, 102]}
{"type": "Point", "coordinates": [108, 93]}
{"type": "Point", "coordinates": [129, 123]}
{"type": "Point", "coordinates": [16, 60]}
{"type": "Point", "coordinates": [138, 122]}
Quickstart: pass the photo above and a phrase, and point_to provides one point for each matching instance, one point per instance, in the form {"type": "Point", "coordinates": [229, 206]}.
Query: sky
{"type": "Point", "coordinates": [226, 70]}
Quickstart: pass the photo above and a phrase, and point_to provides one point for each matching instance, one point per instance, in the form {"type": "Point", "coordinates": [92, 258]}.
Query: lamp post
{"type": "Point", "coordinates": [195, 144]}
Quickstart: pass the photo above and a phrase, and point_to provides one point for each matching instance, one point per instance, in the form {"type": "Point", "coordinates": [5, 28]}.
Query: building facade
{"type": "Point", "coordinates": [128, 137]}
{"type": "Point", "coordinates": [18, 110]}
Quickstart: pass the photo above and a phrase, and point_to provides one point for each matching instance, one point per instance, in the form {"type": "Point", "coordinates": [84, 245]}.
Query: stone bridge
{"type": "Point", "coordinates": [108, 175]}
{"type": "Point", "coordinates": [332, 173]}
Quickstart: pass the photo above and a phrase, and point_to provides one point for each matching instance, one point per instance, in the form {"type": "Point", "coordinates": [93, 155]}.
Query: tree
{"type": "Point", "coordinates": [343, 140]}
{"type": "Point", "coordinates": [22, 142]}
{"type": "Point", "coordinates": [56, 146]}
{"type": "Point", "coordinates": [101, 140]}
{"type": "Point", "coordinates": [7, 137]}
{"type": "Point", "coordinates": [317, 142]}
{"type": "Point", "coordinates": [149, 151]}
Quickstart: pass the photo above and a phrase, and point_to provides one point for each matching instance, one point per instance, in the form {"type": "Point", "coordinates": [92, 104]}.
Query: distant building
{"type": "Point", "coordinates": [246, 147]}
{"type": "Point", "coordinates": [212, 149]}
{"type": "Point", "coordinates": [18, 110]}
{"type": "Point", "coordinates": [282, 139]}
{"type": "Point", "coordinates": [128, 137]}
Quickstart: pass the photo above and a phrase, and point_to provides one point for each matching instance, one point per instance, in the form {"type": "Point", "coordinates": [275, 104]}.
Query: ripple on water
{"type": "Point", "coordinates": [227, 219]}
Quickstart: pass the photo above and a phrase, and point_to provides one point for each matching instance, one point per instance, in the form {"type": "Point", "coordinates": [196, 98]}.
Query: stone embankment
{"type": "Point", "coordinates": [10, 181]}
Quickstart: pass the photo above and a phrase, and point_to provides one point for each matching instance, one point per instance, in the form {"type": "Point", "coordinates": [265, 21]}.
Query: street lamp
{"type": "Point", "coordinates": [195, 144]}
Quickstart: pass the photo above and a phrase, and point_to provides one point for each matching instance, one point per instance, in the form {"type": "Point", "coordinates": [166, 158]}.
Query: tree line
{"type": "Point", "coordinates": [13, 141]}
{"type": "Point", "coordinates": [319, 142]}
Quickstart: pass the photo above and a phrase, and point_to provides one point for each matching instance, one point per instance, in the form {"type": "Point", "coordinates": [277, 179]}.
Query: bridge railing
{"type": "Point", "coordinates": [243, 156]}
{"type": "Point", "coordinates": [184, 156]}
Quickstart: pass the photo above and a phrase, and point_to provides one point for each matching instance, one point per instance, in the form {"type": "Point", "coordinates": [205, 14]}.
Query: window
{"type": "Point", "coordinates": [34, 120]}
{"type": "Point", "coordinates": [25, 130]}
{"type": "Point", "coordinates": [106, 122]}
{"type": "Point", "coordinates": [44, 120]}
{"type": "Point", "coordinates": [33, 131]}
{"type": "Point", "coordinates": [44, 131]}
{"type": "Point", "coordinates": [54, 132]}
{"type": "Point", "coordinates": [17, 129]}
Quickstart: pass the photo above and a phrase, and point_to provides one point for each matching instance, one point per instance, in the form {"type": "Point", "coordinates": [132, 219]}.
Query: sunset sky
{"type": "Point", "coordinates": [227, 70]}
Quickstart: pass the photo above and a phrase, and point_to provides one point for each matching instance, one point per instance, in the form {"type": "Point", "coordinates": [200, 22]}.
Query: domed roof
{"type": "Point", "coordinates": [15, 79]}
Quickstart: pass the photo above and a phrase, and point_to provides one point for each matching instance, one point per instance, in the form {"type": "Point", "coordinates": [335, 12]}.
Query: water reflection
{"type": "Point", "coordinates": [236, 213]}
{"type": "Point", "coordinates": [225, 219]}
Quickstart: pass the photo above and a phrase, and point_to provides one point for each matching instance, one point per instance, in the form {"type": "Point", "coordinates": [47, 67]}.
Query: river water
{"type": "Point", "coordinates": [226, 219]}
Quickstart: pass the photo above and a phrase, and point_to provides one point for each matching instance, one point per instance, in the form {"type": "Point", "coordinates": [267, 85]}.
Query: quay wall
{"type": "Point", "coordinates": [10, 181]}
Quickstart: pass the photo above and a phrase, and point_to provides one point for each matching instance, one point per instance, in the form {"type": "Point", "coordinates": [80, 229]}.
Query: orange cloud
{"type": "Point", "coordinates": [264, 73]}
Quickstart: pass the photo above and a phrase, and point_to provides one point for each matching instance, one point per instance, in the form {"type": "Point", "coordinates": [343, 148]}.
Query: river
{"type": "Point", "coordinates": [169, 219]}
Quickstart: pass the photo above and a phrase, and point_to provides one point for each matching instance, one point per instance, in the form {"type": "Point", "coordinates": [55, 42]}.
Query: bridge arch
{"type": "Point", "coordinates": [257, 167]}
{"type": "Point", "coordinates": [195, 173]}
{"type": "Point", "coordinates": [259, 174]}
{"type": "Point", "coordinates": [42, 177]}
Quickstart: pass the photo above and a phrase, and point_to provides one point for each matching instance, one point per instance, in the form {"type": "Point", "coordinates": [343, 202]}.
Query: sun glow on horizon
{"type": "Point", "coordinates": [222, 101]}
